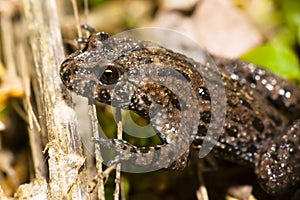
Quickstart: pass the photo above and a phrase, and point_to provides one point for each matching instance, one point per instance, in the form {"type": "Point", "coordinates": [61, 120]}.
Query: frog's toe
{"type": "Point", "coordinates": [277, 165]}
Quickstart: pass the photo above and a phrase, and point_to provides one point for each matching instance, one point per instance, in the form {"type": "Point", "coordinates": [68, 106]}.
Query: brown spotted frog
{"type": "Point", "coordinates": [259, 126]}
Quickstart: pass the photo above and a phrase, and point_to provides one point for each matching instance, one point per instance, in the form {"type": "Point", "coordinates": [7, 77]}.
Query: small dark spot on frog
{"type": "Point", "coordinates": [246, 104]}
{"type": "Point", "coordinates": [197, 142]}
{"type": "Point", "coordinates": [238, 87]}
{"type": "Point", "coordinates": [202, 130]}
{"type": "Point", "coordinates": [273, 154]}
{"type": "Point", "coordinates": [277, 121]}
{"type": "Point", "coordinates": [104, 97]}
{"type": "Point", "coordinates": [185, 75]}
{"type": "Point", "coordinates": [258, 125]}
{"type": "Point", "coordinates": [145, 100]}
{"type": "Point", "coordinates": [176, 103]}
{"type": "Point", "coordinates": [292, 150]}
{"type": "Point", "coordinates": [144, 150]}
{"type": "Point", "coordinates": [250, 78]}
{"type": "Point", "coordinates": [133, 150]}
{"type": "Point", "coordinates": [204, 93]}
{"type": "Point", "coordinates": [205, 116]}
{"type": "Point", "coordinates": [232, 131]}
{"type": "Point", "coordinates": [231, 104]}
{"type": "Point", "coordinates": [252, 149]}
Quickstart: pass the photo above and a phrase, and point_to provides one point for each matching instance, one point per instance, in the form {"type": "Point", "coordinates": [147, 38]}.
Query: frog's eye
{"type": "Point", "coordinates": [110, 75]}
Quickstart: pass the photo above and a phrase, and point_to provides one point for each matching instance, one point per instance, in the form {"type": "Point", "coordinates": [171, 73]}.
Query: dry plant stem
{"type": "Point", "coordinates": [58, 118]}
{"type": "Point", "coordinates": [34, 127]}
{"type": "Point", "coordinates": [201, 193]}
{"type": "Point", "coordinates": [94, 119]}
{"type": "Point", "coordinates": [76, 15]}
{"type": "Point", "coordinates": [122, 187]}
{"type": "Point", "coordinates": [8, 42]}
{"type": "Point", "coordinates": [118, 168]}
{"type": "Point", "coordinates": [86, 11]}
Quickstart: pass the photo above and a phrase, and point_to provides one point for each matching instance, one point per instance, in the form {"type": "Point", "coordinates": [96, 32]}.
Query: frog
{"type": "Point", "coordinates": [261, 126]}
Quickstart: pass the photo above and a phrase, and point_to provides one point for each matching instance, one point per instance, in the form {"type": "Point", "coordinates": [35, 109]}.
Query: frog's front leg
{"type": "Point", "coordinates": [277, 164]}
{"type": "Point", "coordinates": [171, 118]}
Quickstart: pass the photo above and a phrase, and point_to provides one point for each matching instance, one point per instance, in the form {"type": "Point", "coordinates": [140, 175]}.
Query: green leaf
{"type": "Point", "coordinates": [285, 37]}
{"type": "Point", "coordinates": [291, 12]}
{"type": "Point", "coordinates": [298, 35]}
{"type": "Point", "coordinates": [276, 57]}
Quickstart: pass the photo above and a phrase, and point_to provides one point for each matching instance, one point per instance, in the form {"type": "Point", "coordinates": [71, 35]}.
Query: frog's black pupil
{"type": "Point", "coordinates": [110, 75]}
{"type": "Point", "coordinates": [107, 73]}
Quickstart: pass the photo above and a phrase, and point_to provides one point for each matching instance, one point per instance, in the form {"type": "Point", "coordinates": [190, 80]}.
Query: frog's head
{"type": "Point", "coordinates": [89, 72]}
{"type": "Point", "coordinates": [94, 71]}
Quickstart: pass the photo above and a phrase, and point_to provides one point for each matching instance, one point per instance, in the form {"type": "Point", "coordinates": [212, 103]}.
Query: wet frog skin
{"type": "Point", "coordinates": [260, 128]}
